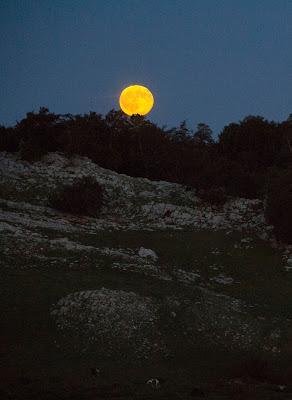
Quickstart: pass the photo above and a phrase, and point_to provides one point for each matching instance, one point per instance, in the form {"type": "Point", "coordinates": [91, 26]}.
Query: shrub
{"type": "Point", "coordinates": [31, 150]}
{"type": "Point", "coordinates": [279, 205]}
{"type": "Point", "coordinates": [254, 142]}
{"type": "Point", "coordinates": [40, 133]}
{"type": "Point", "coordinates": [83, 197]}
{"type": "Point", "coordinates": [8, 139]}
{"type": "Point", "coordinates": [214, 196]}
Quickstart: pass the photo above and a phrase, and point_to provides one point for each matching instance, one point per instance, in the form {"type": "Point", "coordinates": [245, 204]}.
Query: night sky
{"type": "Point", "coordinates": [205, 61]}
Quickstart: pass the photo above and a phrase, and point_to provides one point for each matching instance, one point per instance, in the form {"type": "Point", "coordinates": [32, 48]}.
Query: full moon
{"type": "Point", "coordinates": [136, 99]}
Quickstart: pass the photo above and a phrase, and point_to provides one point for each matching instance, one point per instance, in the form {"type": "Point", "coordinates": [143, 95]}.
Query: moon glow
{"type": "Point", "coordinates": [136, 99]}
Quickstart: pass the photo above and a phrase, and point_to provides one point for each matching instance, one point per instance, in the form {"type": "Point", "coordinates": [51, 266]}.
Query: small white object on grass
{"type": "Point", "coordinates": [145, 253]}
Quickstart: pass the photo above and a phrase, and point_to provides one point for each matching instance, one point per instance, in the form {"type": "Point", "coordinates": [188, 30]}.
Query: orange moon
{"type": "Point", "coordinates": [136, 99]}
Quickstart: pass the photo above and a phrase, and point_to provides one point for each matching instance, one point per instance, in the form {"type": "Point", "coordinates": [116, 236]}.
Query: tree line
{"type": "Point", "coordinates": [248, 159]}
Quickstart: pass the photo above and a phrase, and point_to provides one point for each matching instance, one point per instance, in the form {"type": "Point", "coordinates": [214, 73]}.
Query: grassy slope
{"type": "Point", "coordinates": [51, 255]}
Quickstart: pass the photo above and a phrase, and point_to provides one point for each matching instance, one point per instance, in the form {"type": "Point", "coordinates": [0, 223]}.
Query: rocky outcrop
{"type": "Point", "coordinates": [111, 321]}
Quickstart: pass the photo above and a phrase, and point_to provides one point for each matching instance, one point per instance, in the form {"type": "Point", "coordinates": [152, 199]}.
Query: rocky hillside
{"type": "Point", "coordinates": [157, 276]}
{"type": "Point", "coordinates": [131, 203]}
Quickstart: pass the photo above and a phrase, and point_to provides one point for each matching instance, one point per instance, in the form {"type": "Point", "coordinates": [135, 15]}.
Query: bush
{"type": "Point", "coordinates": [214, 196]}
{"type": "Point", "coordinates": [83, 197]}
{"type": "Point", "coordinates": [31, 150]}
{"type": "Point", "coordinates": [8, 139]}
{"type": "Point", "coordinates": [254, 143]}
{"type": "Point", "coordinates": [40, 133]}
{"type": "Point", "coordinates": [279, 205]}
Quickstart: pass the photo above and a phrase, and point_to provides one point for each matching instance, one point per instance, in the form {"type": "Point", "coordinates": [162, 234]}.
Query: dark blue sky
{"type": "Point", "coordinates": [205, 60]}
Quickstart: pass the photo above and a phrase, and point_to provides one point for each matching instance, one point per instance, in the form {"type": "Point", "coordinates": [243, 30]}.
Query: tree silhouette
{"type": "Point", "coordinates": [203, 135]}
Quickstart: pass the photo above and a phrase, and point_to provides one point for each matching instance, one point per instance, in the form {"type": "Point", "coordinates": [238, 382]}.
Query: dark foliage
{"type": "Point", "coordinates": [257, 368]}
{"type": "Point", "coordinates": [279, 204]}
{"type": "Point", "coordinates": [214, 196]}
{"type": "Point", "coordinates": [254, 142]}
{"type": "Point", "coordinates": [40, 133]}
{"type": "Point", "coordinates": [260, 368]}
{"type": "Point", "coordinates": [254, 367]}
{"type": "Point", "coordinates": [83, 197]}
{"type": "Point", "coordinates": [8, 139]}
{"type": "Point", "coordinates": [239, 161]}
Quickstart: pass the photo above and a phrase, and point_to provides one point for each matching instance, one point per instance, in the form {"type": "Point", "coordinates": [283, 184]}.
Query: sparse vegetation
{"type": "Point", "coordinates": [83, 197]}
{"type": "Point", "coordinates": [279, 204]}
{"type": "Point", "coordinates": [214, 195]}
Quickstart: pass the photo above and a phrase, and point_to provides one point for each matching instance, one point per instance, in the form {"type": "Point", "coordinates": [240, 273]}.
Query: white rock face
{"type": "Point", "coordinates": [147, 253]}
